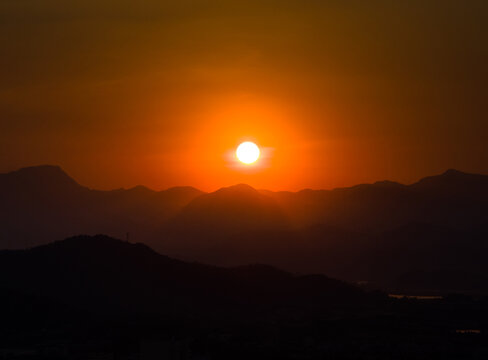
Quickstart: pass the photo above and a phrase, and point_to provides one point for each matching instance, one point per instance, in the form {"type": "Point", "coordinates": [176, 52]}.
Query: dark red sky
{"type": "Point", "coordinates": [159, 93]}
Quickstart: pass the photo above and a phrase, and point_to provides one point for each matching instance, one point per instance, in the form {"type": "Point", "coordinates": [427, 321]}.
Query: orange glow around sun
{"type": "Point", "coordinates": [211, 159]}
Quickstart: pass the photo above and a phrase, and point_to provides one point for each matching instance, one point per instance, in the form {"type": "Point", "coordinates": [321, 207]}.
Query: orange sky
{"type": "Point", "coordinates": [159, 92]}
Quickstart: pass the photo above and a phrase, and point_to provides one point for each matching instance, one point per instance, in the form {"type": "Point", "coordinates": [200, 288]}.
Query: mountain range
{"type": "Point", "coordinates": [384, 233]}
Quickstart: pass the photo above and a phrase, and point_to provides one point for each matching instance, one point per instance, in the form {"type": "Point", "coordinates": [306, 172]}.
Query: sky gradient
{"type": "Point", "coordinates": [160, 93]}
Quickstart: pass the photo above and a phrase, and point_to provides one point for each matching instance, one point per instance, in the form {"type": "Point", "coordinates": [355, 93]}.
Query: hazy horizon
{"type": "Point", "coordinates": [230, 185]}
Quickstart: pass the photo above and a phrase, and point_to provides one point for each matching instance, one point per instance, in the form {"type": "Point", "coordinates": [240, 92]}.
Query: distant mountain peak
{"type": "Point", "coordinates": [45, 176]}
{"type": "Point", "coordinates": [238, 188]}
{"type": "Point", "coordinates": [230, 210]}
{"type": "Point", "coordinates": [41, 169]}
{"type": "Point", "coordinates": [141, 189]}
{"type": "Point", "coordinates": [451, 172]}
{"type": "Point", "coordinates": [183, 189]}
{"type": "Point", "coordinates": [454, 174]}
{"type": "Point", "coordinates": [452, 178]}
{"type": "Point", "coordinates": [83, 241]}
{"type": "Point", "coordinates": [98, 246]}
{"type": "Point", "coordinates": [388, 183]}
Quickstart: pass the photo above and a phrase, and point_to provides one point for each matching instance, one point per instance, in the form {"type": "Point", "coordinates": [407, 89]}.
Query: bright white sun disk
{"type": "Point", "coordinates": [247, 152]}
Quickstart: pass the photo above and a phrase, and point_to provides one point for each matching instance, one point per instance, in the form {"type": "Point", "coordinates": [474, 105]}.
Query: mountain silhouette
{"type": "Point", "coordinates": [359, 233]}
{"type": "Point", "coordinates": [453, 198]}
{"type": "Point", "coordinates": [44, 177]}
{"type": "Point", "coordinates": [454, 180]}
{"type": "Point", "coordinates": [42, 203]}
{"type": "Point", "coordinates": [101, 272]}
{"type": "Point", "coordinates": [232, 209]}
{"type": "Point", "coordinates": [92, 297]}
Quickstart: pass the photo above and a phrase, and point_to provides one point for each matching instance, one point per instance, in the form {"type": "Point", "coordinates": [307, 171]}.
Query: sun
{"type": "Point", "coordinates": [247, 152]}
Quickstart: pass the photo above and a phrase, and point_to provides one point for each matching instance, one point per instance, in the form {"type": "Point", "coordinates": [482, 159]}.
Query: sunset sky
{"type": "Point", "coordinates": [160, 93]}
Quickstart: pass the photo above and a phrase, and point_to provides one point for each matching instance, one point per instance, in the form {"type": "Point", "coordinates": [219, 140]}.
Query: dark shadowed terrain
{"type": "Point", "coordinates": [102, 298]}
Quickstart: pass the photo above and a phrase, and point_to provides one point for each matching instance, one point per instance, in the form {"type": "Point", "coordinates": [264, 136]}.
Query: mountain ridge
{"type": "Point", "coordinates": [343, 233]}
{"type": "Point", "coordinates": [43, 170]}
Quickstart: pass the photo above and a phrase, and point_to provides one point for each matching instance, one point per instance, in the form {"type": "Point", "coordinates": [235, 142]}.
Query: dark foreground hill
{"type": "Point", "coordinates": [104, 272]}
{"type": "Point", "coordinates": [101, 298]}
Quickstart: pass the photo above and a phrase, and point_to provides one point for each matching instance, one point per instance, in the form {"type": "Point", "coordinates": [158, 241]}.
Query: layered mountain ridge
{"type": "Point", "coordinates": [358, 233]}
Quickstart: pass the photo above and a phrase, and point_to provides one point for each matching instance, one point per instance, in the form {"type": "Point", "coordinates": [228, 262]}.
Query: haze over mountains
{"type": "Point", "coordinates": [385, 232]}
